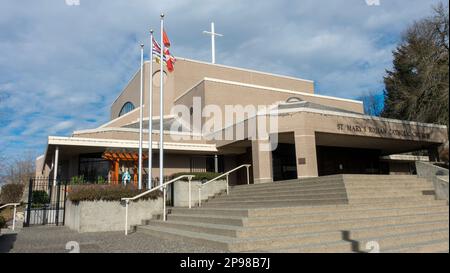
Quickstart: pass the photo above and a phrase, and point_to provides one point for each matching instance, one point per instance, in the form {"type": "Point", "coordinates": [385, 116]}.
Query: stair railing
{"type": "Point", "coordinates": [14, 215]}
{"type": "Point", "coordinates": [219, 177]}
{"type": "Point", "coordinates": [164, 188]}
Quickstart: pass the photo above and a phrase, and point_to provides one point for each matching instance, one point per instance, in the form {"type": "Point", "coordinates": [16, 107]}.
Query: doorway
{"type": "Point", "coordinates": [284, 164]}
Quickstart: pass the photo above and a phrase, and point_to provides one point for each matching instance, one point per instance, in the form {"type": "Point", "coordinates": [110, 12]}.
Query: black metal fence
{"type": "Point", "coordinates": [46, 202]}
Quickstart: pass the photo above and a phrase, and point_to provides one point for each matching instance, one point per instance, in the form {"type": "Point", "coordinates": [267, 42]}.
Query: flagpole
{"type": "Point", "coordinates": [161, 108]}
{"type": "Point", "coordinates": [140, 118]}
{"type": "Point", "coordinates": [150, 114]}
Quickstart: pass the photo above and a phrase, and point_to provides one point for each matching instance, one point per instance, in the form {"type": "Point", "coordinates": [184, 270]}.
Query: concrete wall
{"type": "Point", "coordinates": [129, 94]}
{"type": "Point", "coordinates": [108, 216]}
{"type": "Point", "coordinates": [188, 73]}
{"type": "Point", "coordinates": [437, 175]}
{"type": "Point", "coordinates": [181, 191]}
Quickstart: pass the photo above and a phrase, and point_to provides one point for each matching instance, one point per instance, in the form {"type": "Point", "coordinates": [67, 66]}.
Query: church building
{"type": "Point", "coordinates": [311, 135]}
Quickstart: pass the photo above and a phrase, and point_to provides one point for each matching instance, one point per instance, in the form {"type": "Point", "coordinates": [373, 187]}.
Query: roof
{"type": "Point", "coordinates": [311, 105]}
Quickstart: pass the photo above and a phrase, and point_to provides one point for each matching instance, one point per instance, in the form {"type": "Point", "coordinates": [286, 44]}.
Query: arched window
{"type": "Point", "coordinates": [294, 99]}
{"type": "Point", "coordinates": [127, 107]}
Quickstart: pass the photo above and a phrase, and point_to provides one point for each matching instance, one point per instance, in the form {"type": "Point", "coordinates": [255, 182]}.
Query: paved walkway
{"type": "Point", "coordinates": [47, 239]}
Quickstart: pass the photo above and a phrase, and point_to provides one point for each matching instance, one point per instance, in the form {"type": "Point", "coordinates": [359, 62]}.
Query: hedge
{"type": "Point", "coordinates": [107, 193]}
{"type": "Point", "coordinates": [198, 176]}
{"type": "Point", "coordinates": [11, 193]}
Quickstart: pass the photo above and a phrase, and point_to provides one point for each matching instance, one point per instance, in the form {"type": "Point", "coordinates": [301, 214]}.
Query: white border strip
{"type": "Point", "coordinates": [131, 130]}
{"type": "Point", "coordinates": [279, 90]}
{"type": "Point", "coordinates": [115, 143]}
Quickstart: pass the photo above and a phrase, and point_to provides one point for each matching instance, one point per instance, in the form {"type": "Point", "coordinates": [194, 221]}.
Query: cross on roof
{"type": "Point", "coordinates": [213, 42]}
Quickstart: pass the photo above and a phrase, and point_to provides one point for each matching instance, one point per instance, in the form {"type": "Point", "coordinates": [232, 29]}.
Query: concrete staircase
{"type": "Point", "coordinates": [339, 213]}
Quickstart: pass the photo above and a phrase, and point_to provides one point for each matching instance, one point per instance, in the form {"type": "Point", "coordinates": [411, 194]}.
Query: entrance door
{"type": "Point", "coordinates": [284, 163]}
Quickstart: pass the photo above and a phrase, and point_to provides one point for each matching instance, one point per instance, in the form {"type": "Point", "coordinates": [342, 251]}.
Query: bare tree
{"type": "Point", "coordinates": [19, 170]}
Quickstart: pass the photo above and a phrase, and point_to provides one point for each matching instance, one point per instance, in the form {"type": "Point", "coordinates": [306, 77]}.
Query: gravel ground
{"type": "Point", "coordinates": [46, 239]}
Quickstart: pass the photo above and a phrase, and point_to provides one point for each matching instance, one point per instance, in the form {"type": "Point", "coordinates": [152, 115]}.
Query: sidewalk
{"type": "Point", "coordinates": [51, 239]}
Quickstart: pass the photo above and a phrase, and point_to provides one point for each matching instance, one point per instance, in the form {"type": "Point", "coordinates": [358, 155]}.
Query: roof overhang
{"type": "Point", "coordinates": [74, 142]}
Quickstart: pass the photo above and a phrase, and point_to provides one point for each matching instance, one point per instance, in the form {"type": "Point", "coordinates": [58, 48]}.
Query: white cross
{"type": "Point", "coordinates": [213, 42]}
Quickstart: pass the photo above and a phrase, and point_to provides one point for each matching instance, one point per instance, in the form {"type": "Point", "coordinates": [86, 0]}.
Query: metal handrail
{"type": "Point", "coordinates": [14, 216]}
{"type": "Point", "coordinates": [220, 176]}
{"type": "Point", "coordinates": [163, 186]}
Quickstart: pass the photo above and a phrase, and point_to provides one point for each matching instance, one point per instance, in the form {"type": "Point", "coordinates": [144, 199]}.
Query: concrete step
{"type": "Point", "coordinates": [276, 230]}
{"type": "Point", "coordinates": [326, 185]}
{"type": "Point", "coordinates": [309, 202]}
{"type": "Point", "coordinates": [306, 196]}
{"type": "Point", "coordinates": [305, 209]}
{"type": "Point", "coordinates": [395, 242]}
{"type": "Point", "coordinates": [436, 246]}
{"type": "Point", "coordinates": [398, 240]}
{"type": "Point", "coordinates": [331, 247]}
{"type": "Point", "coordinates": [276, 196]}
{"type": "Point", "coordinates": [393, 200]}
{"type": "Point", "coordinates": [249, 244]}
{"type": "Point", "coordinates": [332, 188]}
{"type": "Point", "coordinates": [273, 204]}
{"type": "Point", "coordinates": [304, 219]}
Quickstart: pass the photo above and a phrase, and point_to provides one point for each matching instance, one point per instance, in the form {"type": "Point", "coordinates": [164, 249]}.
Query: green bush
{"type": "Point", "coordinates": [198, 176]}
{"type": "Point", "coordinates": [11, 193]}
{"type": "Point", "coordinates": [77, 180]}
{"type": "Point", "coordinates": [107, 193]}
{"type": "Point", "coordinates": [101, 180]}
{"type": "Point", "coordinates": [40, 197]}
{"type": "Point", "coordinates": [2, 222]}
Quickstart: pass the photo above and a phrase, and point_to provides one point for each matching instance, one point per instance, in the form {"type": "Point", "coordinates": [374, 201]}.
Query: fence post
{"type": "Point", "coordinates": [64, 203]}
{"type": "Point", "coordinates": [44, 211]}
{"type": "Point", "coordinates": [30, 201]}
{"type": "Point", "coordinates": [58, 196]}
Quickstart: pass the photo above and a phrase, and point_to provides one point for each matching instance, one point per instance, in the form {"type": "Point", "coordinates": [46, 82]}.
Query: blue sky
{"type": "Point", "coordinates": [62, 66]}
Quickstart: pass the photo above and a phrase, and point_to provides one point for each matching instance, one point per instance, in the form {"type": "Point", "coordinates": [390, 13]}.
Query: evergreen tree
{"type": "Point", "coordinates": [417, 87]}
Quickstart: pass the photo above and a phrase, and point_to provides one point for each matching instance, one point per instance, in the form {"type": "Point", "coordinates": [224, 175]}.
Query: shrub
{"type": "Point", "coordinates": [108, 193]}
{"type": "Point", "coordinates": [11, 193]}
{"type": "Point", "coordinates": [40, 197]}
{"type": "Point", "coordinates": [198, 176]}
{"type": "Point", "coordinates": [101, 180]}
{"type": "Point", "coordinates": [77, 180]}
{"type": "Point", "coordinates": [2, 222]}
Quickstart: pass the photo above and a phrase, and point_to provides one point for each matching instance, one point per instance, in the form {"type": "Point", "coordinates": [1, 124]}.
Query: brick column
{"type": "Point", "coordinates": [306, 157]}
{"type": "Point", "coordinates": [262, 162]}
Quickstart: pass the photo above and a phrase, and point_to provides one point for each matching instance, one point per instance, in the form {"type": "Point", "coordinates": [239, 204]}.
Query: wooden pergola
{"type": "Point", "coordinates": [125, 156]}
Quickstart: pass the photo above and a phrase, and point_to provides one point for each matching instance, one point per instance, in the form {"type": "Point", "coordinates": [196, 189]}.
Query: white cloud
{"type": "Point", "coordinates": [62, 66]}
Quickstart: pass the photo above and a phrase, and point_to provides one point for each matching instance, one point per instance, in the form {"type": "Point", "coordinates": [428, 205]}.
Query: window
{"type": "Point", "coordinates": [293, 99]}
{"type": "Point", "coordinates": [127, 107]}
